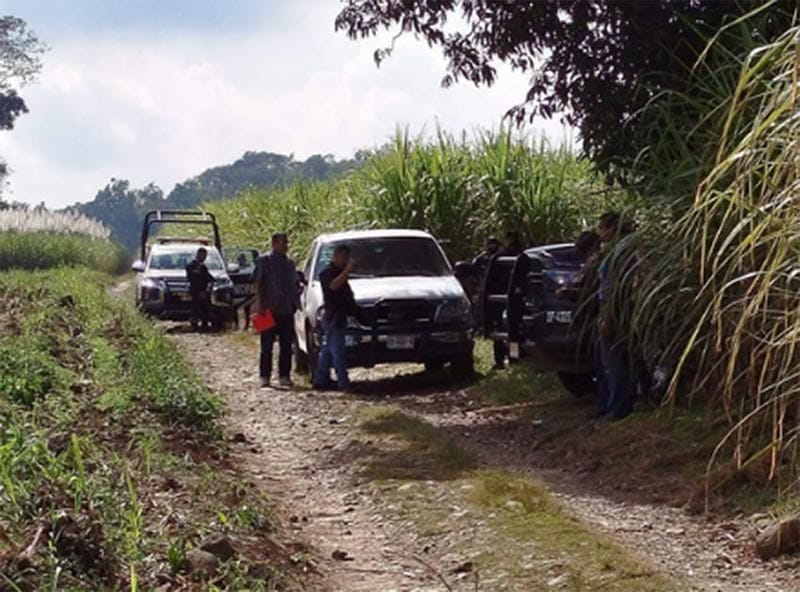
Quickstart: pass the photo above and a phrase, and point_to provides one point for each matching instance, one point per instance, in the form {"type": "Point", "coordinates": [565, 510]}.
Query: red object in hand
{"type": "Point", "coordinates": [263, 321]}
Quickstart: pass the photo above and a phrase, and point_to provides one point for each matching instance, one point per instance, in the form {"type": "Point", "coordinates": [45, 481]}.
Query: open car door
{"type": "Point", "coordinates": [242, 270]}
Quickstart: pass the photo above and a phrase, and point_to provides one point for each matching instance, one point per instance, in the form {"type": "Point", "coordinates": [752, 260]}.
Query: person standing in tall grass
{"type": "Point", "coordinates": [277, 292]}
{"type": "Point", "coordinates": [615, 389]}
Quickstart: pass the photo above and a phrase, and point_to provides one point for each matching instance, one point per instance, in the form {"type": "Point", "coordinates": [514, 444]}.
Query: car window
{"type": "Point", "coordinates": [389, 257]}
{"type": "Point", "coordinates": [244, 258]}
{"type": "Point", "coordinates": [174, 259]}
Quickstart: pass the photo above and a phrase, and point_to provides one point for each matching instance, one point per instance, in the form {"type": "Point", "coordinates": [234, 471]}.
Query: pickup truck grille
{"type": "Point", "coordinates": [396, 313]}
{"type": "Point", "coordinates": [177, 285]}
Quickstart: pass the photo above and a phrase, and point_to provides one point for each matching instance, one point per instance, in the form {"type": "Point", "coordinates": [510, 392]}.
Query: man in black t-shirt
{"type": "Point", "coordinates": [339, 304]}
{"type": "Point", "coordinates": [200, 280]}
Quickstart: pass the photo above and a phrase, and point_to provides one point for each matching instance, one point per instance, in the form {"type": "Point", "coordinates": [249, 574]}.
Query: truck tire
{"type": "Point", "coordinates": [312, 356]}
{"type": "Point", "coordinates": [301, 362]}
{"type": "Point", "coordinates": [463, 367]}
{"type": "Point", "coordinates": [579, 384]}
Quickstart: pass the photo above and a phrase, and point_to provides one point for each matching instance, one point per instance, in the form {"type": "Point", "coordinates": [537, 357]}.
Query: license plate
{"type": "Point", "coordinates": [400, 342]}
{"type": "Point", "coordinates": [185, 297]}
{"type": "Point", "coordinates": [245, 290]}
{"type": "Point", "coordinates": [559, 316]}
{"type": "Point", "coordinates": [351, 340]}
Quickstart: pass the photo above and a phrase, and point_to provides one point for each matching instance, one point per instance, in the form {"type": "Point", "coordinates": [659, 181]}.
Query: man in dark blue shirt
{"type": "Point", "coordinates": [277, 290]}
{"type": "Point", "coordinates": [200, 280]}
{"type": "Point", "coordinates": [339, 304]}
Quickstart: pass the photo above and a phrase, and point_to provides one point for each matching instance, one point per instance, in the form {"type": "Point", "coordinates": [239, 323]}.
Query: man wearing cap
{"type": "Point", "coordinates": [277, 291]}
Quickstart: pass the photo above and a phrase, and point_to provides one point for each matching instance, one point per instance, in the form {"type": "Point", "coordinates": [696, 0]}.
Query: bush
{"type": "Point", "coordinates": [717, 292]}
{"type": "Point", "coordinates": [38, 239]}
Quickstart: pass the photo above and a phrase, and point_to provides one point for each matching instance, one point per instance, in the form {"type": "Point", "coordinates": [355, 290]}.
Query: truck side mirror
{"type": "Point", "coordinates": [464, 269]}
{"type": "Point", "coordinates": [138, 266]}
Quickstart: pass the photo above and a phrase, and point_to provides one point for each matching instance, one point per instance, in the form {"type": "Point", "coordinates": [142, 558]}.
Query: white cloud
{"type": "Point", "coordinates": [163, 109]}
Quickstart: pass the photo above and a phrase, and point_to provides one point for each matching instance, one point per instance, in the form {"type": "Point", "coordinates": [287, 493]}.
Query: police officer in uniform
{"type": "Point", "coordinates": [200, 282]}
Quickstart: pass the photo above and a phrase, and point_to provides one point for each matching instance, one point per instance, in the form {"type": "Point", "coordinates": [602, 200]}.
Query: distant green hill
{"type": "Point", "coordinates": [121, 208]}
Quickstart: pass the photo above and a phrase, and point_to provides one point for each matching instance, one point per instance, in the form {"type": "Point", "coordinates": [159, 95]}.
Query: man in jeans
{"type": "Point", "coordinates": [339, 303]}
{"type": "Point", "coordinates": [277, 291]}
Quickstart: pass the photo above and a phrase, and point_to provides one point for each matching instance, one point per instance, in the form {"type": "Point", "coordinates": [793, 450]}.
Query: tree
{"type": "Point", "coordinates": [20, 63]}
{"type": "Point", "coordinates": [121, 208]}
{"type": "Point", "coordinates": [598, 62]}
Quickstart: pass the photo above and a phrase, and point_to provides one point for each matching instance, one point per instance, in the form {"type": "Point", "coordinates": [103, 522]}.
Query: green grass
{"type": "Point", "coordinates": [516, 535]}
{"type": "Point", "coordinates": [523, 511]}
{"type": "Point", "coordinates": [109, 446]}
{"type": "Point", "coordinates": [420, 451]}
{"type": "Point", "coordinates": [39, 239]}
{"type": "Point", "coordinates": [460, 190]}
{"type": "Point", "coordinates": [44, 250]}
{"type": "Point", "coordinates": [715, 291]}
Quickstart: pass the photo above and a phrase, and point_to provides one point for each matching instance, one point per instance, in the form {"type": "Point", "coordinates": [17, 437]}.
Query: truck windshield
{"type": "Point", "coordinates": [179, 258]}
{"type": "Point", "coordinates": [389, 257]}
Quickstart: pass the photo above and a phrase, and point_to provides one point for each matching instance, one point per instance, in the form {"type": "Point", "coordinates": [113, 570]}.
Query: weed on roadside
{"type": "Point", "coordinates": [111, 466]}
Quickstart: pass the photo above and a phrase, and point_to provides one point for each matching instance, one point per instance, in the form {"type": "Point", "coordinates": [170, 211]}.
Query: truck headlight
{"type": "Point", "coordinates": [151, 284]}
{"type": "Point", "coordinates": [458, 310]}
{"type": "Point", "coordinates": [151, 290]}
{"type": "Point", "coordinates": [222, 292]}
{"type": "Point", "coordinates": [223, 284]}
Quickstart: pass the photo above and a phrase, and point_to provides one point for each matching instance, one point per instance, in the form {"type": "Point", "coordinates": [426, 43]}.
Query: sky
{"type": "Point", "coordinates": [160, 90]}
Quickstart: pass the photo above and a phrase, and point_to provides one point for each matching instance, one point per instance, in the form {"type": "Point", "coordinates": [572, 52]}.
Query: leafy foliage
{"type": "Point", "coordinates": [715, 293]}
{"type": "Point", "coordinates": [106, 435]}
{"type": "Point", "coordinates": [597, 61]}
{"type": "Point", "coordinates": [26, 373]}
{"type": "Point", "coordinates": [20, 63]}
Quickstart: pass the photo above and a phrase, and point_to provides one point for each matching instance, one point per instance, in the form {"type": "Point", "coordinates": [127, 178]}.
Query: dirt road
{"type": "Point", "coordinates": [364, 522]}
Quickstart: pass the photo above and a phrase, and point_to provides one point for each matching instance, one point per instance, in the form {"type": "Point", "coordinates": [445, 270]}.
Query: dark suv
{"type": "Point", "coordinates": [531, 302]}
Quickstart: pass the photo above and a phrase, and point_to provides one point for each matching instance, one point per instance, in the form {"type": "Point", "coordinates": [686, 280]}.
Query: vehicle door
{"type": "Point", "coordinates": [241, 262]}
{"type": "Point", "coordinates": [308, 277]}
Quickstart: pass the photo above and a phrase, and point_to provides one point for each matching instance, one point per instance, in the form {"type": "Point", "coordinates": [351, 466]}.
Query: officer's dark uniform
{"type": "Point", "coordinates": [200, 279]}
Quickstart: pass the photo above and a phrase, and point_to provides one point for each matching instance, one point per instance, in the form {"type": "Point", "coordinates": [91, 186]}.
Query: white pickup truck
{"type": "Point", "coordinates": [410, 306]}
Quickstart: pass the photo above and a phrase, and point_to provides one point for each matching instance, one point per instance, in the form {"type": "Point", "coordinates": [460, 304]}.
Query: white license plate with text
{"type": "Point", "coordinates": [400, 342]}
{"type": "Point", "coordinates": [559, 316]}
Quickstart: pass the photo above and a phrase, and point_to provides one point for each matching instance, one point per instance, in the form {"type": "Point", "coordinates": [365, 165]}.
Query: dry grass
{"type": "Point", "coordinates": [414, 448]}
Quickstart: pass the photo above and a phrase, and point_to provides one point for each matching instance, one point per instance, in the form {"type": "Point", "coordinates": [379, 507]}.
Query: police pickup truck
{"type": "Point", "coordinates": [162, 288]}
